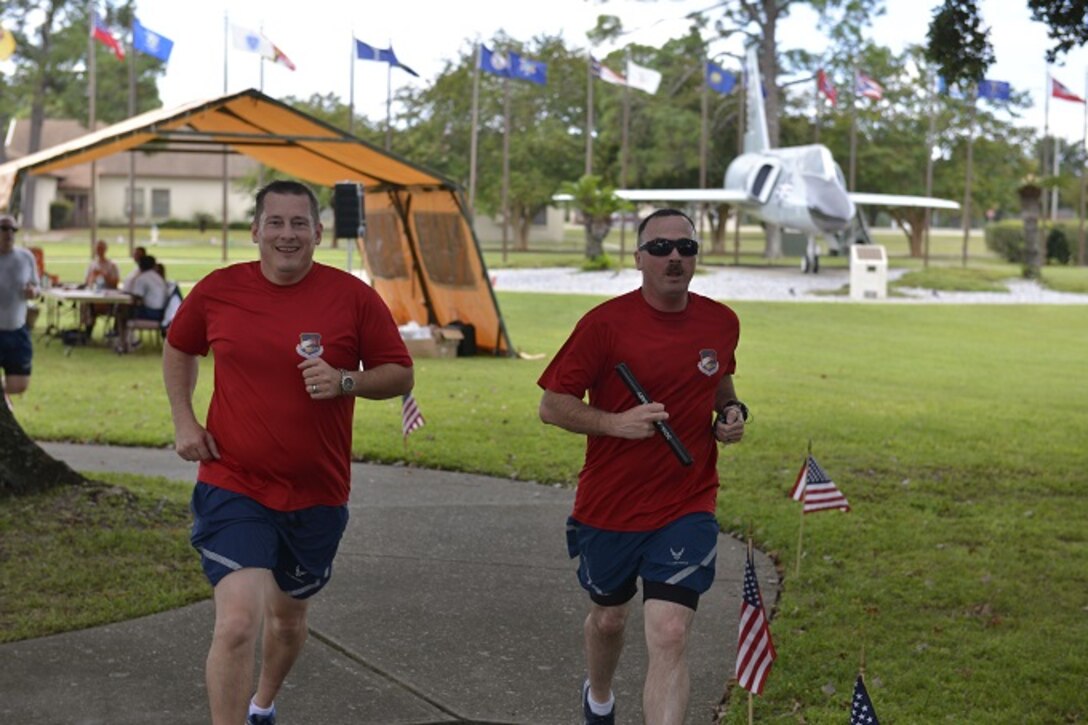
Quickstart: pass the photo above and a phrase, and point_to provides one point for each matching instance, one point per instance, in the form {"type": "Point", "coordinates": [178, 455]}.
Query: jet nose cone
{"type": "Point", "coordinates": [828, 205]}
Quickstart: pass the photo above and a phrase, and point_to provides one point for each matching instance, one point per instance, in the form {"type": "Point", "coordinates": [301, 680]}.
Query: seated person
{"type": "Point", "coordinates": [102, 273]}
{"type": "Point", "coordinates": [150, 291]}
{"type": "Point", "coordinates": [137, 254]}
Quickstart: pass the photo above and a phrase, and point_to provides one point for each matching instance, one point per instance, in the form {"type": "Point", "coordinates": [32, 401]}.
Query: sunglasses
{"type": "Point", "coordinates": [6, 228]}
{"type": "Point", "coordinates": [664, 247]}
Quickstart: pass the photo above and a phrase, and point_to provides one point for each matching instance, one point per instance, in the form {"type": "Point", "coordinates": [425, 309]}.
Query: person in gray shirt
{"type": "Point", "coordinates": [18, 283]}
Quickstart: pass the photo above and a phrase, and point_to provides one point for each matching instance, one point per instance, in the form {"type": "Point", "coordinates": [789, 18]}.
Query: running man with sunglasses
{"type": "Point", "coordinates": [639, 512]}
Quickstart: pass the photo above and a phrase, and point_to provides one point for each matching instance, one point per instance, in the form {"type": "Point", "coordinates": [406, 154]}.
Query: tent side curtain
{"type": "Point", "coordinates": [432, 273]}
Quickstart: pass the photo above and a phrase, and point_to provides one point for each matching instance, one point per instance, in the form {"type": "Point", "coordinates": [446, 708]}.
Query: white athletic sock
{"type": "Point", "coordinates": [262, 711]}
{"type": "Point", "coordinates": [598, 708]}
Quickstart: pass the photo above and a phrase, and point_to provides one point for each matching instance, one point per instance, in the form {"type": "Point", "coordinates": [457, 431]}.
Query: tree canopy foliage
{"type": "Point", "coordinates": [960, 46]}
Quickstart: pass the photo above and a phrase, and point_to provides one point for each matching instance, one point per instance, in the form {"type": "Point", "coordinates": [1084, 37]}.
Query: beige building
{"type": "Point", "coordinates": [176, 185]}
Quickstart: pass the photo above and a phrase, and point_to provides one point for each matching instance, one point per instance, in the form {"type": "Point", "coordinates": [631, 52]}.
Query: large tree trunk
{"type": "Point", "coordinates": [912, 220]}
{"type": "Point", "coordinates": [596, 231]}
{"type": "Point", "coordinates": [24, 467]}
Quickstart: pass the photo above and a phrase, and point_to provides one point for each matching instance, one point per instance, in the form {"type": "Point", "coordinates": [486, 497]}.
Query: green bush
{"type": "Point", "coordinates": [1057, 246]}
{"type": "Point", "coordinates": [598, 264]}
{"type": "Point", "coordinates": [60, 214]}
{"type": "Point", "coordinates": [1006, 238]}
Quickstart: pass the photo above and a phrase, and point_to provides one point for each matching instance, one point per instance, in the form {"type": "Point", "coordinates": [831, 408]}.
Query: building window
{"type": "Point", "coordinates": [138, 194]}
{"type": "Point", "coordinates": [160, 203]}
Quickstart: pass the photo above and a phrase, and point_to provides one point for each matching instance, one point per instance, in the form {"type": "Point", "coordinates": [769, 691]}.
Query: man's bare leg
{"type": "Point", "coordinates": [239, 607]}
{"type": "Point", "coordinates": [284, 634]}
{"type": "Point", "coordinates": [668, 683]}
{"type": "Point", "coordinates": [603, 632]}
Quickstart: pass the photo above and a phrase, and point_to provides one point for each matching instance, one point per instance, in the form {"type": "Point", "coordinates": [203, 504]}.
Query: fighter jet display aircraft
{"type": "Point", "coordinates": [797, 187]}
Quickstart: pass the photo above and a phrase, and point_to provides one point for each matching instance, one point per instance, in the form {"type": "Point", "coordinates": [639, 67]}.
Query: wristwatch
{"type": "Point", "coordinates": [735, 404]}
{"type": "Point", "coordinates": [347, 383]}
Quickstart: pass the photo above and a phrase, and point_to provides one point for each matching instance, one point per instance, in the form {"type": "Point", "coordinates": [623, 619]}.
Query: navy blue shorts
{"type": "Point", "coordinates": [233, 532]}
{"type": "Point", "coordinates": [675, 562]}
{"type": "Point", "coordinates": [16, 352]}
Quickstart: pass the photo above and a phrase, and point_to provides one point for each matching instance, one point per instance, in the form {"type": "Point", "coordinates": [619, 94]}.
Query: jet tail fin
{"type": "Point", "coordinates": [756, 137]}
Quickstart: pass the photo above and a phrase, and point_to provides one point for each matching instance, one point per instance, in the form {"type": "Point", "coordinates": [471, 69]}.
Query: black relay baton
{"type": "Point", "coordinates": [663, 427]}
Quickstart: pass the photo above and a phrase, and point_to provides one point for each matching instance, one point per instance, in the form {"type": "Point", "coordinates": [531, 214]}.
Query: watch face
{"type": "Point", "coordinates": [347, 382]}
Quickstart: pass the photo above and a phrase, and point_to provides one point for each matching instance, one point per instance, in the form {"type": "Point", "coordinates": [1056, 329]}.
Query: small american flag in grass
{"type": "Point", "coordinates": [410, 417]}
{"type": "Point", "coordinates": [755, 650]}
{"type": "Point", "coordinates": [861, 708]}
{"type": "Point", "coordinates": [816, 489]}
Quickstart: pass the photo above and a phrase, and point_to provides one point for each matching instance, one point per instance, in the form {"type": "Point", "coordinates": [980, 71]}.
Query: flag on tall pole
{"type": "Point", "coordinates": [103, 35]}
{"type": "Point", "coordinates": [509, 64]}
{"type": "Point", "coordinates": [642, 78]}
{"type": "Point", "coordinates": [364, 51]}
{"type": "Point", "coordinates": [862, 711]}
{"type": "Point", "coordinates": [1060, 91]}
{"type": "Point", "coordinates": [410, 417]}
{"type": "Point", "coordinates": [824, 86]}
{"type": "Point", "coordinates": [866, 86]}
{"type": "Point", "coordinates": [151, 43]}
{"type": "Point", "coordinates": [816, 489]}
{"type": "Point", "coordinates": [755, 650]}
{"type": "Point", "coordinates": [606, 74]}
{"type": "Point", "coordinates": [253, 41]}
{"type": "Point", "coordinates": [719, 79]}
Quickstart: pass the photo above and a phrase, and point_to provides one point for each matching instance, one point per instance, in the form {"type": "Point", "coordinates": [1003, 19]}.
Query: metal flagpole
{"type": "Point", "coordinates": [970, 170]}
{"type": "Point", "coordinates": [505, 166]}
{"type": "Point", "coordinates": [703, 144]}
{"type": "Point", "coordinates": [623, 156]}
{"type": "Point", "coordinates": [226, 223]}
{"type": "Point", "coordinates": [351, 89]}
{"type": "Point", "coordinates": [389, 103]}
{"type": "Point", "coordinates": [853, 128]}
{"type": "Point", "coordinates": [92, 72]}
{"type": "Point", "coordinates": [931, 133]}
{"type": "Point", "coordinates": [1083, 170]}
{"type": "Point", "coordinates": [131, 154]}
{"type": "Point", "coordinates": [472, 139]}
{"type": "Point", "coordinates": [1046, 132]}
{"type": "Point", "coordinates": [589, 113]}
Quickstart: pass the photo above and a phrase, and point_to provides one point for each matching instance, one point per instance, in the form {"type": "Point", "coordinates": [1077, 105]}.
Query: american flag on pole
{"type": "Point", "coordinates": [410, 417]}
{"type": "Point", "coordinates": [861, 708]}
{"type": "Point", "coordinates": [866, 86]}
{"type": "Point", "coordinates": [817, 490]}
{"type": "Point", "coordinates": [755, 650]}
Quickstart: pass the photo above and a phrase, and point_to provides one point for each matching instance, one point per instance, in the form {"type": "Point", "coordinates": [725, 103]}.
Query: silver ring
{"type": "Point", "coordinates": [313, 388]}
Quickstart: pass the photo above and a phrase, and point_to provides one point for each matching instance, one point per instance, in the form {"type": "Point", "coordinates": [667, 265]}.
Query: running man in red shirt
{"type": "Point", "coordinates": [639, 512]}
{"type": "Point", "coordinates": [270, 503]}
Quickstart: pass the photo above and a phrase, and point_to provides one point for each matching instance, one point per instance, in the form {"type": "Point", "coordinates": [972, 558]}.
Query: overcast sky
{"type": "Point", "coordinates": [316, 35]}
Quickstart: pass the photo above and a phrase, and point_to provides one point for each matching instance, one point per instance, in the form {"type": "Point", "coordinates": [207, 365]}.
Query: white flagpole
{"type": "Point", "coordinates": [92, 72]}
{"type": "Point", "coordinates": [589, 113]}
{"type": "Point", "coordinates": [1046, 132]}
{"type": "Point", "coordinates": [351, 89]}
{"type": "Point", "coordinates": [389, 105]}
{"type": "Point", "coordinates": [472, 140]}
{"type": "Point", "coordinates": [1083, 170]}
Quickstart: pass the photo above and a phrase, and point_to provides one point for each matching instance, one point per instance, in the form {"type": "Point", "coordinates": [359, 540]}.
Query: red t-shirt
{"type": "Point", "coordinates": [277, 445]}
{"type": "Point", "coordinates": [679, 358]}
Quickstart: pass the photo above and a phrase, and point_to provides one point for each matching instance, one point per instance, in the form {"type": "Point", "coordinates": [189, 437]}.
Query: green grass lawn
{"type": "Point", "coordinates": [957, 433]}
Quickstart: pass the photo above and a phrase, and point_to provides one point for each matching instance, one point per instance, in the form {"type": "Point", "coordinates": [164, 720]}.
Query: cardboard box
{"type": "Point", "coordinates": [442, 342]}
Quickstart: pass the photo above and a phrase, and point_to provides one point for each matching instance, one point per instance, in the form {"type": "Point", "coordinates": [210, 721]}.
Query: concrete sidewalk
{"type": "Point", "coordinates": [453, 601]}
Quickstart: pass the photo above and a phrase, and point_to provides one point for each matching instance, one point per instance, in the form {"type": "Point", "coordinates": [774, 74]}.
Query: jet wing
{"type": "Point", "coordinates": [689, 195]}
{"type": "Point", "coordinates": [900, 200]}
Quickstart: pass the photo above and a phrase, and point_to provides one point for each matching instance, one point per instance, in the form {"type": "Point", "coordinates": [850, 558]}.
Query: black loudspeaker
{"type": "Point", "coordinates": [347, 210]}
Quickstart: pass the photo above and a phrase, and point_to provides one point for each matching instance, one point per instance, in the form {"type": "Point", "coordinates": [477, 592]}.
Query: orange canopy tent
{"type": "Point", "coordinates": [420, 249]}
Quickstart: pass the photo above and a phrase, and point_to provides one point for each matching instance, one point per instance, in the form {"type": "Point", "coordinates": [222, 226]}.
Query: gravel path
{"type": "Point", "coordinates": [774, 284]}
